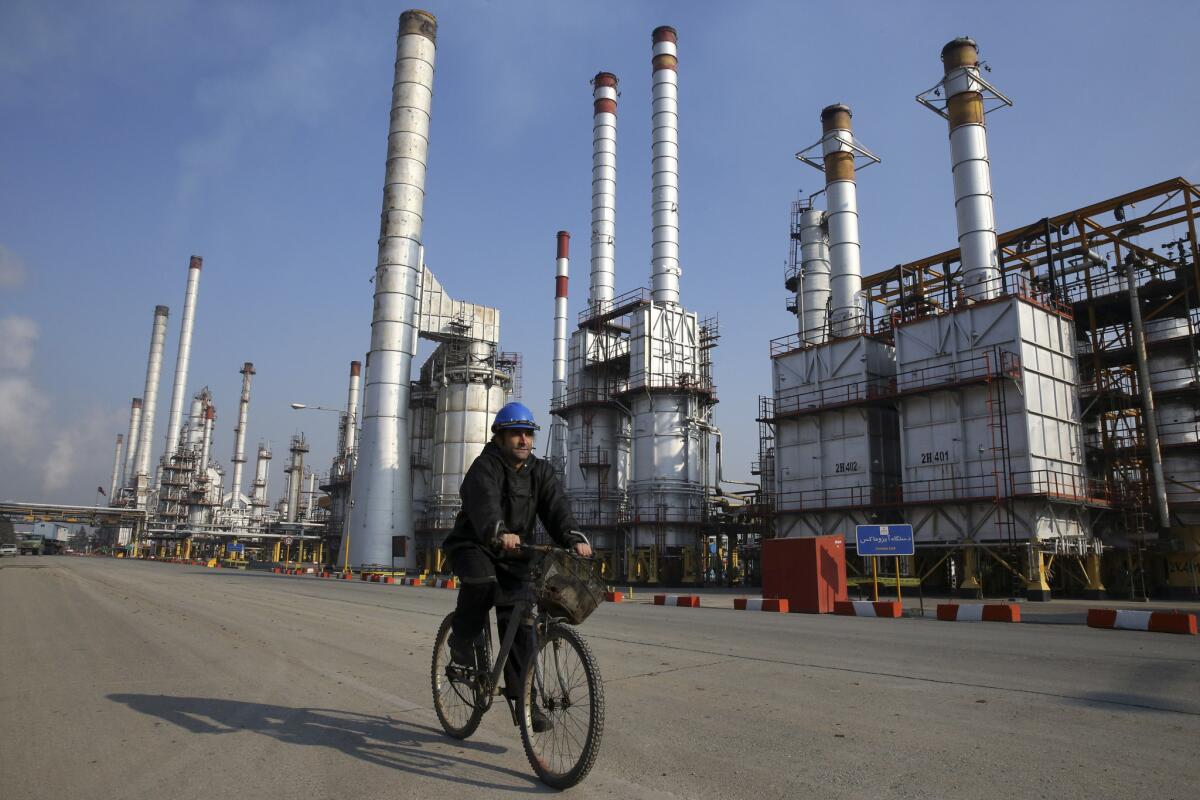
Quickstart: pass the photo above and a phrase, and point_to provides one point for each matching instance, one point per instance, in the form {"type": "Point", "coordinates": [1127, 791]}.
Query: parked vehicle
{"type": "Point", "coordinates": [8, 550]}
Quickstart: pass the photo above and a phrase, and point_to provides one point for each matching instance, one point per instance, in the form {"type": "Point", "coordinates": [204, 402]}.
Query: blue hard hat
{"type": "Point", "coordinates": [514, 415]}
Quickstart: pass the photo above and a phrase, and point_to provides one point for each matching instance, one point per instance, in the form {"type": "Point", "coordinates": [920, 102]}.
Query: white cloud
{"type": "Point", "coordinates": [12, 269]}
{"type": "Point", "coordinates": [79, 456]}
{"type": "Point", "coordinates": [17, 338]}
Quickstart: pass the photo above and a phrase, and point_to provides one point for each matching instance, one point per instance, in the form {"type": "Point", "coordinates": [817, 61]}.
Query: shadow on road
{"type": "Point", "coordinates": [384, 741]}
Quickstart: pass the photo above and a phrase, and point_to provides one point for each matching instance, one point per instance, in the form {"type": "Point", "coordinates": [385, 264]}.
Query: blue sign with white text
{"type": "Point", "coordinates": [885, 540]}
{"type": "Point", "coordinates": [235, 548]}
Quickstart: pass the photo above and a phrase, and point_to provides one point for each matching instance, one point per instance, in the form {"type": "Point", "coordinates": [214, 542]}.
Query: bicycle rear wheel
{"type": "Point", "coordinates": [564, 682]}
{"type": "Point", "coordinates": [458, 694]}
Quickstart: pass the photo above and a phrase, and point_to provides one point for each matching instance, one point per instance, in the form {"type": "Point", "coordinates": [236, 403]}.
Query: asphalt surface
{"type": "Point", "coordinates": [122, 679]}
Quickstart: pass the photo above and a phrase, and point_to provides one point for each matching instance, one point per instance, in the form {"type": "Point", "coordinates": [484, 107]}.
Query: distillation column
{"type": "Point", "coordinates": [382, 489]}
{"type": "Point", "coordinates": [258, 494]}
{"type": "Point", "coordinates": [814, 261]}
{"type": "Point", "coordinates": [239, 438]}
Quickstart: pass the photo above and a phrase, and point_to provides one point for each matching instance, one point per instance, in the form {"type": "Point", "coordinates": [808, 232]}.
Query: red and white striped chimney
{"type": "Point", "coordinates": [604, 190]}
{"type": "Point", "coordinates": [664, 180]}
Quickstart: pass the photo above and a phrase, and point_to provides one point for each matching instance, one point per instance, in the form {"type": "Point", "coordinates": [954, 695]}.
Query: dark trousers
{"type": "Point", "coordinates": [484, 583]}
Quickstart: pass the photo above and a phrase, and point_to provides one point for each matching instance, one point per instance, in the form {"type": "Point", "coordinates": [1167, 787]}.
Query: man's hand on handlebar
{"type": "Point", "coordinates": [583, 549]}
{"type": "Point", "coordinates": [510, 542]}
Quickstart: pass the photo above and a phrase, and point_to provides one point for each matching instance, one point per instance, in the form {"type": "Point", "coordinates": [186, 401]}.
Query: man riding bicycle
{"type": "Point", "coordinates": [506, 490]}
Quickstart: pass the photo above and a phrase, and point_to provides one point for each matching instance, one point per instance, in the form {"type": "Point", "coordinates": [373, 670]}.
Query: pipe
{"type": "Point", "coordinates": [973, 204]}
{"type": "Point", "coordinates": [178, 392]}
{"type": "Point", "coordinates": [312, 492]}
{"type": "Point", "coordinates": [135, 422]}
{"type": "Point", "coordinates": [382, 489]}
{"type": "Point", "coordinates": [664, 191]}
{"type": "Point", "coordinates": [604, 190]}
{"type": "Point", "coordinates": [239, 437]}
{"type": "Point", "coordinates": [351, 421]}
{"type": "Point", "coordinates": [116, 473]}
{"type": "Point", "coordinates": [845, 256]}
{"type": "Point", "coordinates": [1149, 414]}
{"type": "Point", "coordinates": [258, 497]}
{"type": "Point", "coordinates": [158, 336]}
{"type": "Point", "coordinates": [814, 260]}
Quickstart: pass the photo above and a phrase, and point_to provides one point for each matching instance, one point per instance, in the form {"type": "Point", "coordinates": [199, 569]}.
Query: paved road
{"type": "Point", "coordinates": [124, 679]}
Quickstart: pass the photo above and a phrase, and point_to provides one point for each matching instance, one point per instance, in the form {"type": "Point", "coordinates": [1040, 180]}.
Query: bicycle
{"type": "Point", "coordinates": [562, 677]}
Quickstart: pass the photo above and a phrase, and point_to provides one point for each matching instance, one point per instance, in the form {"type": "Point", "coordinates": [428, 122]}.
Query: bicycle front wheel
{"type": "Point", "coordinates": [563, 682]}
{"type": "Point", "coordinates": [458, 694]}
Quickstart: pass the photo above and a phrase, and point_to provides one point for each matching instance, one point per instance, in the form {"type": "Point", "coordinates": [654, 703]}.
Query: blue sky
{"type": "Point", "coordinates": [135, 133]}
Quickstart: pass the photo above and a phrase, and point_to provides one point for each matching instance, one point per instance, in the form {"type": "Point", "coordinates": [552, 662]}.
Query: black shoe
{"type": "Point", "coordinates": [540, 722]}
{"type": "Point", "coordinates": [462, 652]}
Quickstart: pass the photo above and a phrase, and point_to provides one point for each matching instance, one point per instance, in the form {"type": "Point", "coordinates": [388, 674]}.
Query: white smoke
{"type": "Point", "coordinates": [17, 338]}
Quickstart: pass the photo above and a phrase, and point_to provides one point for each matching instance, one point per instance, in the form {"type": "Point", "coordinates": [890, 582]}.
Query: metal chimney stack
{"type": "Point", "coordinates": [158, 336]}
{"type": "Point", "coordinates": [556, 447]}
{"type": "Point", "coordinates": [604, 190]}
{"type": "Point", "coordinates": [382, 488]}
{"type": "Point", "coordinates": [966, 93]}
{"type": "Point", "coordinates": [116, 475]}
{"type": "Point", "coordinates": [135, 422]}
{"type": "Point", "coordinates": [837, 147]}
{"type": "Point", "coordinates": [351, 421]}
{"type": "Point", "coordinates": [179, 389]}
{"type": "Point", "coordinates": [814, 260]}
{"type": "Point", "coordinates": [664, 192]}
{"type": "Point", "coordinates": [239, 436]}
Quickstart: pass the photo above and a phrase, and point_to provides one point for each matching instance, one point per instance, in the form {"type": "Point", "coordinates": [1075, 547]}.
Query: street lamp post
{"type": "Point", "coordinates": [349, 503]}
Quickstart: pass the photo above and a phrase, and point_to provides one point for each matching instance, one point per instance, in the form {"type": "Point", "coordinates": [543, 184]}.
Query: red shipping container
{"type": "Point", "coordinates": [809, 572]}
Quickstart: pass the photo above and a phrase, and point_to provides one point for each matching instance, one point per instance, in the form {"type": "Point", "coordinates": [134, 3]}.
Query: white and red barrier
{"type": "Point", "coordinates": [889, 609]}
{"type": "Point", "coordinates": [761, 604]}
{"type": "Point", "coordinates": [978, 612]}
{"type": "Point", "coordinates": [685, 600]}
{"type": "Point", "coordinates": [1132, 620]}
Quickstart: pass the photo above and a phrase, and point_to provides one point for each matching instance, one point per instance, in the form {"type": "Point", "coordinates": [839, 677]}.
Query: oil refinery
{"type": "Point", "coordinates": [1027, 400]}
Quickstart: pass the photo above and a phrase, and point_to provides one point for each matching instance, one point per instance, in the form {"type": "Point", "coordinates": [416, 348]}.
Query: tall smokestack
{"type": "Point", "coordinates": [158, 336]}
{"type": "Point", "coordinates": [664, 191]}
{"type": "Point", "coordinates": [239, 437]}
{"type": "Point", "coordinates": [312, 494]}
{"type": "Point", "coordinates": [135, 430]}
{"type": "Point", "coordinates": [604, 190]}
{"type": "Point", "coordinates": [351, 421]}
{"type": "Point", "coordinates": [556, 447]}
{"type": "Point", "coordinates": [179, 391]}
{"type": "Point", "coordinates": [837, 147]}
{"type": "Point", "coordinates": [382, 488]}
{"type": "Point", "coordinates": [973, 205]}
{"type": "Point", "coordinates": [814, 259]}
{"type": "Point", "coordinates": [116, 475]}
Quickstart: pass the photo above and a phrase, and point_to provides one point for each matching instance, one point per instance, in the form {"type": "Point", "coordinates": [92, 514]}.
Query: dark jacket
{"type": "Point", "coordinates": [497, 498]}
